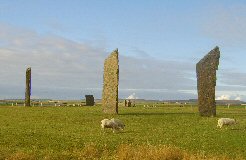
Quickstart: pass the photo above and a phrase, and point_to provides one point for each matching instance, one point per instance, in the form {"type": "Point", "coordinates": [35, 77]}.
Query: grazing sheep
{"type": "Point", "coordinates": [225, 121]}
{"type": "Point", "coordinates": [115, 124]}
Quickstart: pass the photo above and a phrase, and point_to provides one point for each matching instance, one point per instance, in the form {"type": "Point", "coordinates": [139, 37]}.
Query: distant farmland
{"type": "Point", "coordinates": [161, 131]}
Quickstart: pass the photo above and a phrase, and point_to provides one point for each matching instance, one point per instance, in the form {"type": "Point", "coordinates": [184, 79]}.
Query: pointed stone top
{"type": "Point", "coordinates": [114, 53]}
{"type": "Point", "coordinates": [216, 49]}
{"type": "Point", "coordinates": [214, 54]}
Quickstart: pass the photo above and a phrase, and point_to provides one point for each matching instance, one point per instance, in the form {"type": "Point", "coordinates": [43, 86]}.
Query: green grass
{"type": "Point", "coordinates": [55, 132]}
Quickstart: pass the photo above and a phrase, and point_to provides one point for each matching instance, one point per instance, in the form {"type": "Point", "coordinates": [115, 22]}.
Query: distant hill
{"type": "Point", "coordinates": [224, 102]}
{"type": "Point", "coordinates": [190, 101]}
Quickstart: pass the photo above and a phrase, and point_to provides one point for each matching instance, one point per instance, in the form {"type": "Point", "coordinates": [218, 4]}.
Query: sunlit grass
{"type": "Point", "coordinates": [73, 132]}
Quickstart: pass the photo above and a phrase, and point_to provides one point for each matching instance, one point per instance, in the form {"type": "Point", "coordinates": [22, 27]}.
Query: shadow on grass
{"type": "Point", "coordinates": [236, 129]}
{"type": "Point", "coordinates": [128, 131]}
{"type": "Point", "coordinates": [233, 113]}
{"type": "Point", "coordinates": [154, 114]}
{"type": "Point", "coordinates": [119, 132]}
{"type": "Point", "coordinates": [225, 128]}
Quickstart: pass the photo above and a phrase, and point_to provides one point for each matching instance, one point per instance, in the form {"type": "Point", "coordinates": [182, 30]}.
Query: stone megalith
{"type": "Point", "coordinates": [28, 87]}
{"type": "Point", "coordinates": [89, 100]}
{"type": "Point", "coordinates": [125, 101]}
{"type": "Point", "coordinates": [206, 82]}
{"type": "Point", "coordinates": [110, 84]}
{"type": "Point", "coordinates": [129, 103]}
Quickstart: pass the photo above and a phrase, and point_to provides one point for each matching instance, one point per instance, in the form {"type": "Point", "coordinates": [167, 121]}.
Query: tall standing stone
{"type": "Point", "coordinates": [28, 87]}
{"type": "Point", "coordinates": [206, 82]}
{"type": "Point", "coordinates": [110, 84]}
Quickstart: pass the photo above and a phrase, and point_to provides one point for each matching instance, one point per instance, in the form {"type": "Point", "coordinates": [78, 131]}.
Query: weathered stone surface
{"type": "Point", "coordinates": [129, 103]}
{"type": "Point", "coordinates": [28, 87]}
{"type": "Point", "coordinates": [125, 103]}
{"type": "Point", "coordinates": [206, 82]}
{"type": "Point", "coordinates": [89, 100]}
{"type": "Point", "coordinates": [110, 84]}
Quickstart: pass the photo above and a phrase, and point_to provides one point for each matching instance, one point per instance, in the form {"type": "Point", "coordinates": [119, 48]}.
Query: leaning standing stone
{"type": "Point", "coordinates": [206, 82]}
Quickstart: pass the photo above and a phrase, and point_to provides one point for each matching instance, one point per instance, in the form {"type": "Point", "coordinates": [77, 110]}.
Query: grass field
{"type": "Point", "coordinates": [75, 133]}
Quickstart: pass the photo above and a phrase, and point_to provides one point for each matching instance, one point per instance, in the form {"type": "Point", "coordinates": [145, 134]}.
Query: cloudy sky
{"type": "Point", "coordinates": [159, 41]}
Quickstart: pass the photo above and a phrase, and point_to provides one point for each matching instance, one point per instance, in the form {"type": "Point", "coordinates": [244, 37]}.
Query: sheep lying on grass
{"type": "Point", "coordinates": [225, 121]}
{"type": "Point", "coordinates": [114, 124]}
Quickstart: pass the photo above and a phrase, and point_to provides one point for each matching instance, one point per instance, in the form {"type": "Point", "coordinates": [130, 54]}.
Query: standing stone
{"type": "Point", "coordinates": [129, 103]}
{"type": "Point", "coordinates": [110, 84]}
{"type": "Point", "coordinates": [206, 82]}
{"type": "Point", "coordinates": [125, 103]}
{"type": "Point", "coordinates": [89, 100]}
{"type": "Point", "coordinates": [28, 87]}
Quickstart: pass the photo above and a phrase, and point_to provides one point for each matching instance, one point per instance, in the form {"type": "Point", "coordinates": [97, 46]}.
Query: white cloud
{"type": "Point", "coordinates": [230, 97]}
{"type": "Point", "coordinates": [62, 68]}
{"type": "Point", "coordinates": [238, 98]}
{"type": "Point", "coordinates": [132, 96]}
{"type": "Point", "coordinates": [66, 69]}
{"type": "Point", "coordinates": [223, 97]}
{"type": "Point", "coordinates": [56, 63]}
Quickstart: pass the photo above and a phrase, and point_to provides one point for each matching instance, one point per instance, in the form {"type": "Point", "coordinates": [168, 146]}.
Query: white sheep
{"type": "Point", "coordinates": [225, 121]}
{"type": "Point", "coordinates": [113, 123]}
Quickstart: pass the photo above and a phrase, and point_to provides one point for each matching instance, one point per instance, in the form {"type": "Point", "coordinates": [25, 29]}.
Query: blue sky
{"type": "Point", "coordinates": [159, 43]}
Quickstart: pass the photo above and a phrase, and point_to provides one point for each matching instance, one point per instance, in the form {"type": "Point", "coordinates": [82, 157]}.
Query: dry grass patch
{"type": "Point", "coordinates": [148, 152]}
{"type": "Point", "coordinates": [123, 152]}
{"type": "Point", "coordinates": [21, 156]}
